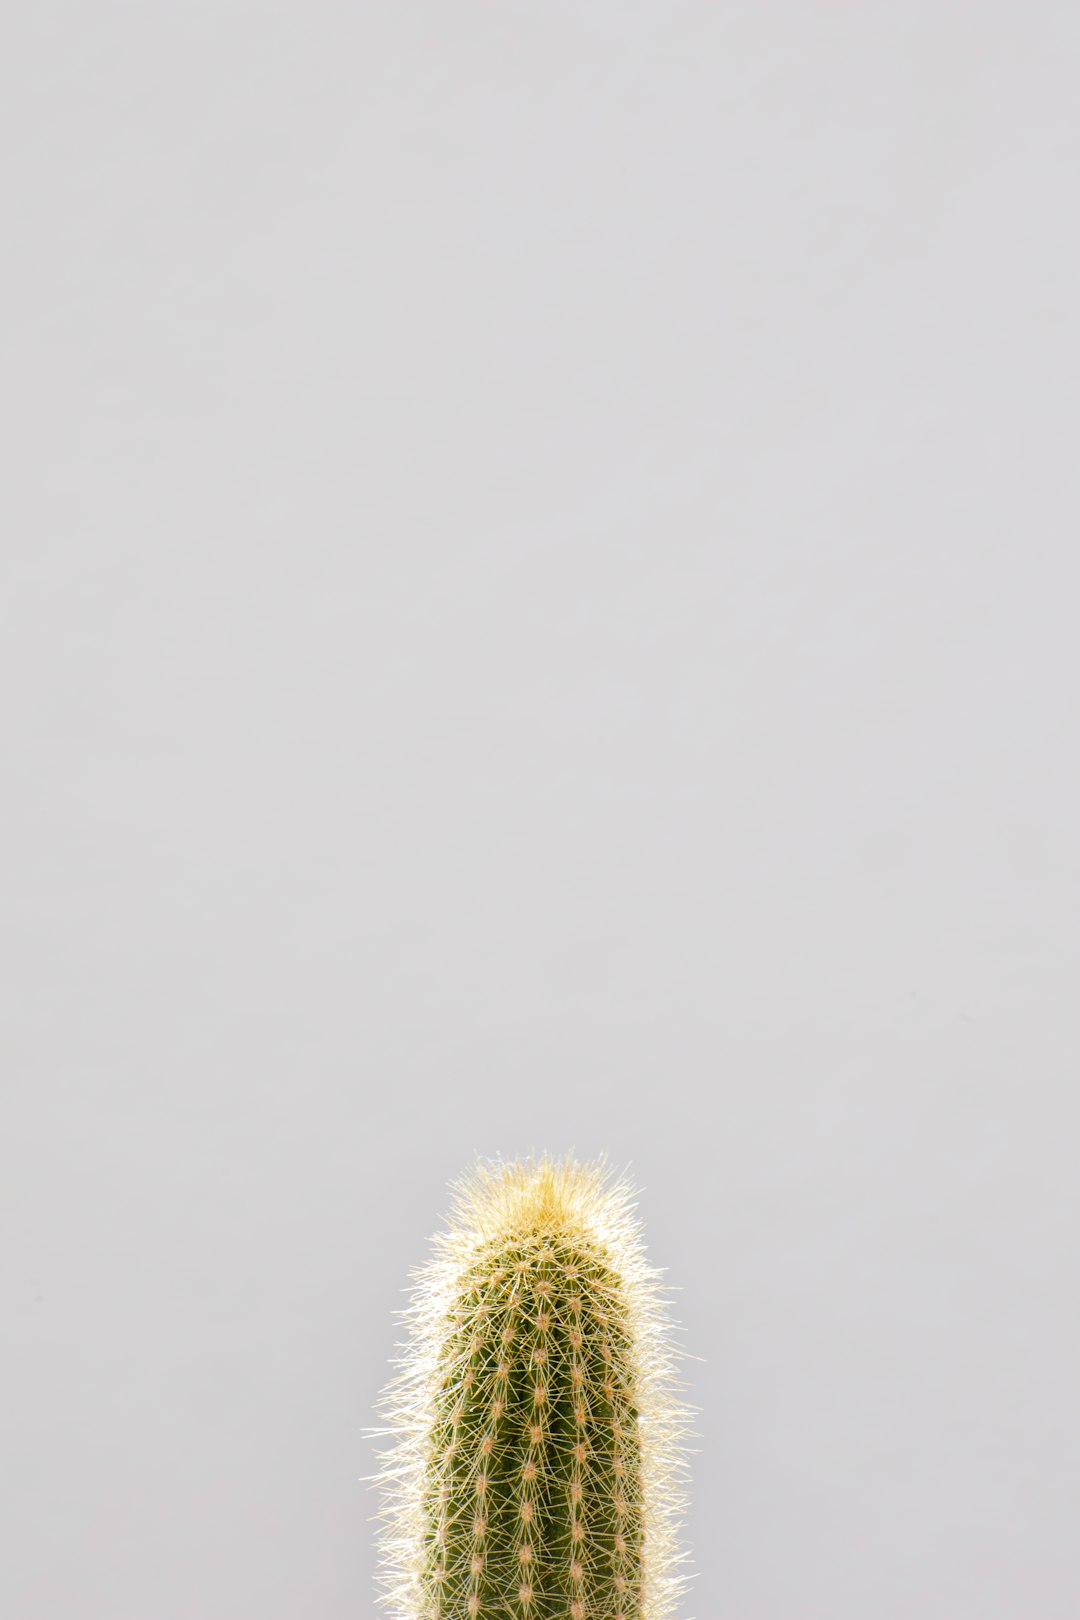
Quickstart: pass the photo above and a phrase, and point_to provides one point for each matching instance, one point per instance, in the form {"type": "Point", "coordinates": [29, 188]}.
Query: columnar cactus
{"type": "Point", "coordinates": [538, 1469]}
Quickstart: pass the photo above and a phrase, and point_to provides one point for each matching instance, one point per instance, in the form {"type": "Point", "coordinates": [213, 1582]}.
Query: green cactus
{"type": "Point", "coordinates": [538, 1469]}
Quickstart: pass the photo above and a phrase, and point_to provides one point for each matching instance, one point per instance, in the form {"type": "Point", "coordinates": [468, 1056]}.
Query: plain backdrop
{"type": "Point", "coordinates": [539, 600]}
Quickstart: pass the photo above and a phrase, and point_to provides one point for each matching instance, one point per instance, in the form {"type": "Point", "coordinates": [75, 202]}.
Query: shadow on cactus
{"type": "Point", "coordinates": [539, 1464]}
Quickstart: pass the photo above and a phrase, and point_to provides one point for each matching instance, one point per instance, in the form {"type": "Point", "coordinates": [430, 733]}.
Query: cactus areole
{"type": "Point", "coordinates": [538, 1466]}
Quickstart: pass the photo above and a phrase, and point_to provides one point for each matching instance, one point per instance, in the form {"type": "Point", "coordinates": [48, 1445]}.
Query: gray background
{"type": "Point", "coordinates": [539, 590]}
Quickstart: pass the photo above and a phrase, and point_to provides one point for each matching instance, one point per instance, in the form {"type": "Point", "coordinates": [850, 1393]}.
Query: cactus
{"type": "Point", "coordinates": [538, 1466]}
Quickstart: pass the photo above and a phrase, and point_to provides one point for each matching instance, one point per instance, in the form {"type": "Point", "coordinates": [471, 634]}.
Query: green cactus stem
{"type": "Point", "coordinates": [538, 1470]}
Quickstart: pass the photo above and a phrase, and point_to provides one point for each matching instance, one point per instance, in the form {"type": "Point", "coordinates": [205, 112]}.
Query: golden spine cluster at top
{"type": "Point", "coordinates": [538, 1469]}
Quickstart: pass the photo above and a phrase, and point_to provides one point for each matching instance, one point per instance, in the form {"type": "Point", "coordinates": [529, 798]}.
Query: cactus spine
{"type": "Point", "coordinates": [538, 1468]}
